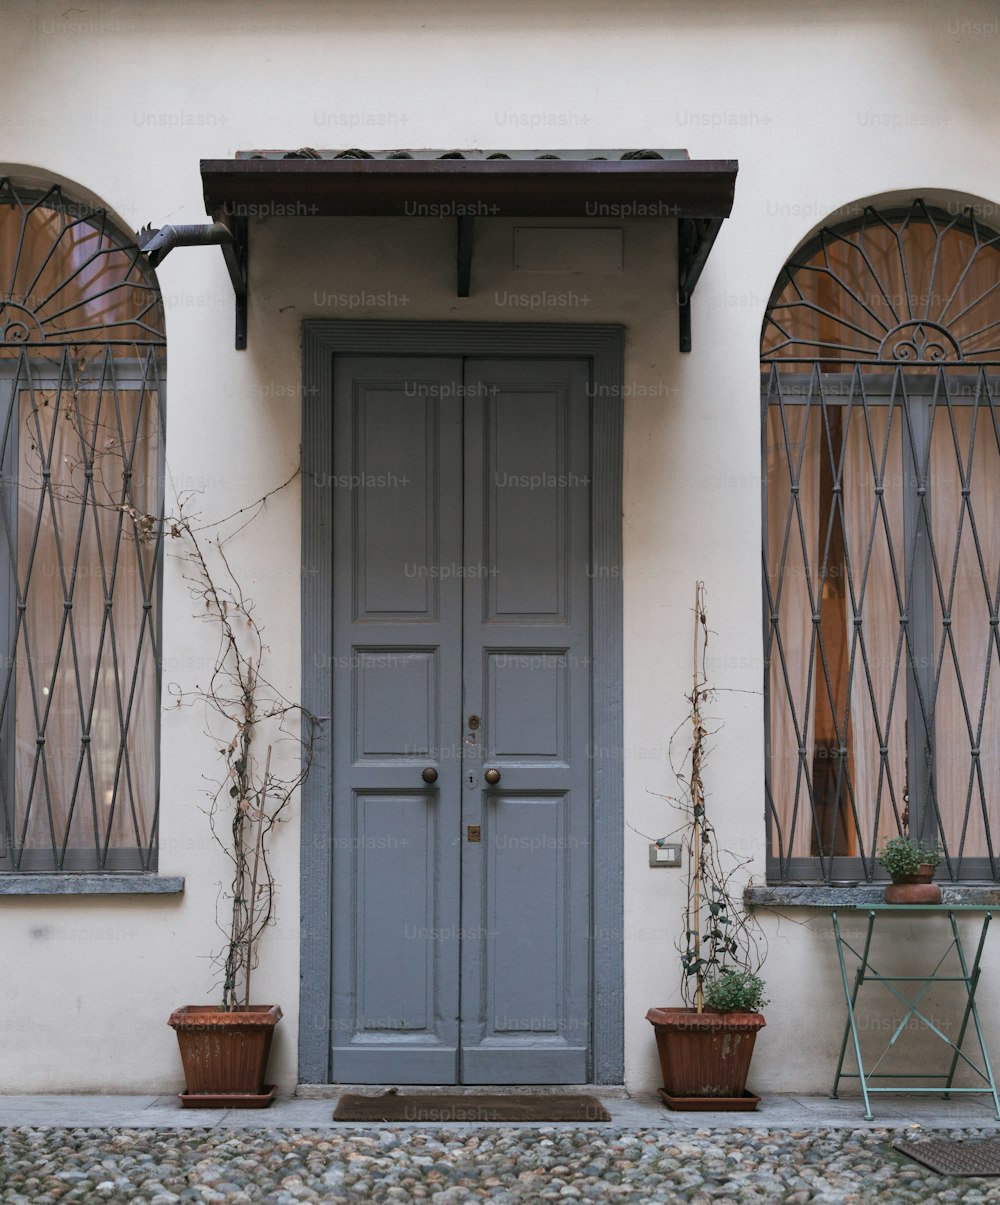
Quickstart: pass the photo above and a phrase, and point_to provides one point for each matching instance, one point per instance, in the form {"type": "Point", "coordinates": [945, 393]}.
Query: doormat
{"type": "Point", "coordinates": [454, 1107]}
{"type": "Point", "coordinates": [956, 1156]}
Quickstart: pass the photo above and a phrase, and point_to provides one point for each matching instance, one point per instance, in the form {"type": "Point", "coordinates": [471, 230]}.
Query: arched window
{"type": "Point", "coordinates": [81, 428]}
{"type": "Point", "coordinates": [881, 460]}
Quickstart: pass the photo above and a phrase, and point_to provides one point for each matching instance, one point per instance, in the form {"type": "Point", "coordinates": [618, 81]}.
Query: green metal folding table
{"type": "Point", "coordinates": [865, 973]}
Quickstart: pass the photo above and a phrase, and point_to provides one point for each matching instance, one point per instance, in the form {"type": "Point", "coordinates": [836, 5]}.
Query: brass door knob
{"type": "Point", "coordinates": [492, 777]}
{"type": "Point", "coordinates": [430, 774]}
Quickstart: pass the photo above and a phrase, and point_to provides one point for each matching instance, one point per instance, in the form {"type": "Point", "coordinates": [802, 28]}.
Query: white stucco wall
{"type": "Point", "coordinates": [821, 104]}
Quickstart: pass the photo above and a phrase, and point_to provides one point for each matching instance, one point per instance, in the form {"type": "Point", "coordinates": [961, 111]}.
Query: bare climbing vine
{"type": "Point", "coordinates": [247, 717]}
{"type": "Point", "coordinates": [721, 938]}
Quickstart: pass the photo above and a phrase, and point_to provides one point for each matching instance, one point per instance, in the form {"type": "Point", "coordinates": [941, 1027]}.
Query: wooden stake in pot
{"type": "Point", "coordinates": [258, 845]}
{"type": "Point", "coordinates": [697, 793]}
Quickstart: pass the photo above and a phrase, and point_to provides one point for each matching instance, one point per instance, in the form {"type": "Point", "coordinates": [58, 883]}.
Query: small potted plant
{"type": "Point", "coordinates": [705, 1047]}
{"type": "Point", "coordinates": [911, 866]}
{"type": "Point", "coordinates": [225, 1049]}
{"type": "Point", "coordinates": [735, 992]}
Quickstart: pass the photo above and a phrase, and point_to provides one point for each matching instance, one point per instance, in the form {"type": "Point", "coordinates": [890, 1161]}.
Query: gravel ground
{"type": "Point", "coordinates": [446, 1166]}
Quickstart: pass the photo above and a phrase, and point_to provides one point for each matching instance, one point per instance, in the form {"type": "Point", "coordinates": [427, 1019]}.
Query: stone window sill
{"type": "Point", "coordinates": [91, 884]}
{"type": "Point", "coordinates": [820, 896]}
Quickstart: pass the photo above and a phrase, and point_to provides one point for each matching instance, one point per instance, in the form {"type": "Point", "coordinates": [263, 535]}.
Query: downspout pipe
{"type": "Point", "coordinates": [156, 245]}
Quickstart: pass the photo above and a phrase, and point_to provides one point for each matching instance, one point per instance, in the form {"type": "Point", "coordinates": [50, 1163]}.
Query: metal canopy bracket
{"type": "Point", "coordinates": [231, 236]}
{"type": "Point", "coordinates": [466, 230]}
{"type": "Point", "coordinates": [237, 257]}
{"type": "Point", "coordinates": [464, 185]}
{"type": "Point", "coordinates": [695, 238]}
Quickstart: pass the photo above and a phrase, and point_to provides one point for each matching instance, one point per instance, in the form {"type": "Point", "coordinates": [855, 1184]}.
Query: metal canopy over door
{"type": "Point", "coordinates": [461, 840]}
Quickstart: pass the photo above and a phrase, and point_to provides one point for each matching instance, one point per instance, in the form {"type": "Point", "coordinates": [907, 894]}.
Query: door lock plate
{"type": "Point", "coordinates": [474, 722]}
{"type": "Point", "coordinates": [473, 833]}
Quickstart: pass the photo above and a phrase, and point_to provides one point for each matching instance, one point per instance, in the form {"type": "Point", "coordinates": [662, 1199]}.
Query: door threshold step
{"type": "Point", "coordinates": [329, 1091]}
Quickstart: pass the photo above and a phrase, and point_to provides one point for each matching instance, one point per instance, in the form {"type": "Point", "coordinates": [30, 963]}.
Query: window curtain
{"type": "Point", "coordinates": [966, 708]}
{"type": "Point", "coordinates": [86, 686]}
{"type": "Point", "coordinates": [878, 685]}
{"type": "Point", "coordinates": [966, 536]}
{"type": "Point", "coordinates": [793, 451]}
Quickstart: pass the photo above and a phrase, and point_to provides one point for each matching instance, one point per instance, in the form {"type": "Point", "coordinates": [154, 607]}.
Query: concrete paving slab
{"type": "Point", "coordinates": [849, 1106]}
{"type": "Point", "coordinates": [291, 1113]}
{"type": "Point", "coordinates": [775, 1111]}
{"type": "Point", "coordinates": [168, 1111]}
{"type": "Point", "coordinates": [636, 1111]}
{"type": "Point", "coordinates": [103, 1111]}
{"type": "Point", "coordinates": [896, 1110]}
{"type": "Point", "coordinates": [76, 1110]}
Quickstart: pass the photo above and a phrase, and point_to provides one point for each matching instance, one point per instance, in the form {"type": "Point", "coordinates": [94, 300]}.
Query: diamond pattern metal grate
{"type": "Point", "coordinates": [955, 1156]}
{"type": "Point", "coordinates": [81, 421]}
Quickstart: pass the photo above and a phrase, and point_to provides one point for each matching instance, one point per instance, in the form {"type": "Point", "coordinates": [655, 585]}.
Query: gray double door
{"type": "Point", "coordinates": [461, 859]}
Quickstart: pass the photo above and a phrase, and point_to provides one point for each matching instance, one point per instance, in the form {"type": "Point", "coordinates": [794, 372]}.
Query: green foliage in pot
{"type": "Point", "coordinates": [902, 857]}
{"type": "Point", "coordinates": [735, 992]}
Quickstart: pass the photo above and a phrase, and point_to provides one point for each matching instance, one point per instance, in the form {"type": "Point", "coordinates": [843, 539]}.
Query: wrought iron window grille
{"type": "Point", "coordinates": [81, 444]}
{"type": "Point", "coordinates": [881, 502]}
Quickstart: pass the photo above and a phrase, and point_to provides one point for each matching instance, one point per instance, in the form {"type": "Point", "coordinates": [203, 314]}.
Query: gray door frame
{"type": "Point", "coordinates": [603, 347]}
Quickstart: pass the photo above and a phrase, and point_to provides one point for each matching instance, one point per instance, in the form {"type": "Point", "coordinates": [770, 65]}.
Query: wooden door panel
{"type": "Point", "coordinates": [395, 703]}
{"type": "Point", "coordinates": [526, 514]}
{"type": "Point", "coordinates": [526, 885]}
{"type": "Point", "coordinates": [397, 691]}
{"type": "Point", "coordinates": [526, 707]}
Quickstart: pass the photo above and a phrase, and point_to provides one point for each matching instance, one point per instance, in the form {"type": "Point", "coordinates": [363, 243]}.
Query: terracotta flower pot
{"type": "Point", "coordinates": [705, 1055]}
{"type": "Point", "coordinates": [914, 888]}
{"type": "Point", "coordinates": [225, 1053]}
